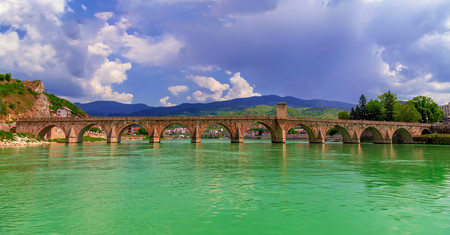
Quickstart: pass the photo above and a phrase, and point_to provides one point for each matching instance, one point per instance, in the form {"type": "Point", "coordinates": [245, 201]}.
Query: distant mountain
{"type": "Point", "coordinates": [109, 108]}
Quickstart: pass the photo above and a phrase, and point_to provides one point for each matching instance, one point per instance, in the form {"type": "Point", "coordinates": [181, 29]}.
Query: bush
{"type": "Point", "coordinates": [2, 77]}
{"type": "Point", "coordinates": [8, 77]}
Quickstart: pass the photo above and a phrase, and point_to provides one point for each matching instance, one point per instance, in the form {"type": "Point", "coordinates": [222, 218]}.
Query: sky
{"type": "Point", "coordinates": [168, 52]}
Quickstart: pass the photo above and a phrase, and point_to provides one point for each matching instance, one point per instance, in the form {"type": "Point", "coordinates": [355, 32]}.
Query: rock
{"type": "Point", "coordinates": [36, 86]}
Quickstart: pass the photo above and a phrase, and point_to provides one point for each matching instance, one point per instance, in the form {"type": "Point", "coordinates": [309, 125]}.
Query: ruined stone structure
{"type": "Point", "coordinates": [114, 127]}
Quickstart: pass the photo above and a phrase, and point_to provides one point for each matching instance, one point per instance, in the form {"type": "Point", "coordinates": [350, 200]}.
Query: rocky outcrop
{"type": "Point", "coordinates": [26, 100]}
{"type": "Point", "coordinates": [41, 107]}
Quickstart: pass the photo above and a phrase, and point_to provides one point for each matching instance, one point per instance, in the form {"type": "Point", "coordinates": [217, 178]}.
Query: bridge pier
{"type": "Point", "coordinates": [112, 140]}
{"type": "Point", "coordinates": [316, 141]}
{"type": "Point", "coordinates": [237, 140]}
{"type": "Point", "coordinates": [154, 137]}
{"type": "Point", "coordinates": [71, 140]}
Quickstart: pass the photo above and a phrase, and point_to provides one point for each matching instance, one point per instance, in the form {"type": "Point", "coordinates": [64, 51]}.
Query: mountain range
{"type": "Point", "coordinates": [111, 108]}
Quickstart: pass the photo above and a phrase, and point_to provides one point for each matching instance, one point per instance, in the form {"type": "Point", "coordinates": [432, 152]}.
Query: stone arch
{"type": "Point", "coordinates": [42, 133]}
{"type": "Point", "coordinates": [86, 128]}
{"type": "Point", "coordinates": [268, 127]}
{"type": "Point", "coordinates": [308, 129]}
{"type": "Point", "coordinates": [402, 135]}
{"type": "Point", "coordinates": [346, 136]}
{"type": "Point", "coordinates": [202, 130]}
{"type": "Point", "coordinates": [425, 131]}
{"type": "Point", "coordinates": [190, 130]}
{"type": "Point", "coordinates": [123, 128]}
{"type": "Point", "coordinates": [377, 135]}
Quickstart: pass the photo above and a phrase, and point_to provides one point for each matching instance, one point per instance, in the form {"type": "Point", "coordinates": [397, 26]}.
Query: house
{"type": "Point", "coordinates": [63, 111]}
{"type": "Point", "coordinates": [446, 109]}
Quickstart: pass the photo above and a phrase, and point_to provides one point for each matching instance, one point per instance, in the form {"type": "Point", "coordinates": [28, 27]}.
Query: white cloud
{"type": "Point", "coordinates": [99, 49]}
{"type": "Point", "coordinates": [205, 68]}
{"type": "Point", "coordinates": [104, 15]}
{"type": "Point", "coordinates": [177, 90]}
{"type": "Point", "coordinates": [99, 86]}
{"type": "Point", "coordinates": [213, 89]}
{"type": "Point", "coordinates": [228, 72]}
{"type": "Point", "coordinates": [240, 88]}
{"type": "Point", "coordinates": [84, 7]}
{"type": "Point", "coordinates": [210, 83]}
{"type": "Point", "coordinates": [164, 102]}
{"type": "Point", "coordinates": [154, 51]}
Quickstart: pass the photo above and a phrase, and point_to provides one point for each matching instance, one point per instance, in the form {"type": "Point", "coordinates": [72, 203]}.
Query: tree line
{"type": "Point", "coordinates": [387, 108]}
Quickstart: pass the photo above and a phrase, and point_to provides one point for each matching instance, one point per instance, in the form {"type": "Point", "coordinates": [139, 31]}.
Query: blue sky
{"type": "Point", "coordinates": [167, 52]}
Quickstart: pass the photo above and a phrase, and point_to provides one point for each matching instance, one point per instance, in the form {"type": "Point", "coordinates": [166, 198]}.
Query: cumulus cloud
{"type": "Point", "coordinates": [164, 102]}
{"type": "Point", "coordinates": [72, 58]}
{"type": "Point", "coordinates": [177, 90]}
{"type": "Point", "coordinates": [213, 89]}
{"type": "Point", "coordinates": [240, 88]}
{"type": "Point", "coordinates": [109, 73]}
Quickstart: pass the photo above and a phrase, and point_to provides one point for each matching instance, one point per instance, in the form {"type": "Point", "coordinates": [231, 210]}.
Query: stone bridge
{"type": "Point", "coordinates": [114, 127]}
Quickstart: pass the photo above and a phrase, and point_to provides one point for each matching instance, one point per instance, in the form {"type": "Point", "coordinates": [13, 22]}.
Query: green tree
{"type": "Point", "coordinates": [375, 110]}
{"type": "Point", "coordinates": [344, 115]}
{"type": "Point", "coordinates": [142, 131]}
{"type": "Point", "coordinates": [362, 108]}
{"type": "Point", "coordinates": [8, 77]}
{"type": "Point", "coordinates": [428, 109]}
{"type": "Point", "coordinates": [2, 77]}
{"type": "Point", "coordinates": [390, 105]}
{"type": "Point", "coordinates": [407, 112]}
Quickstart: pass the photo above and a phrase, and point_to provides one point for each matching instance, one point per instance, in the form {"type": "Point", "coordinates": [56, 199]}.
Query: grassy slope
{"type": "Point", "coordinates": [16, 98]}
{"type": "Point", "coordinates": [56, 102]}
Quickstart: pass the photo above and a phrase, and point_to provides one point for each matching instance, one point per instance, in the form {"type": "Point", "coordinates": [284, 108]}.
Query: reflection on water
{"type": "Point", "coordinates": [218, 187]}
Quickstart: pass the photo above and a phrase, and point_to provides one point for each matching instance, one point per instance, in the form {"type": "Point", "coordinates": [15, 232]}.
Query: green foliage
{"type": "Point", "coordinates": [407, 112]}
{"type": "Point", "coordinates": [6, 135]}
{"type": "Point", "coordinates": [428, 109]}
{"type": "Point", "coordinates": [14, 89]}
{"type": "Point", "coordinates": [390, 105]}
{"type": "Point", "coordinates": [8, 77]}
{"type": "Point", "coordinates": [57, 102]}
{"type": "Point", "coordinates": [3, 109]}
{"type": "Point", "coordinates": [375, 110]}
{"type": "Point", "coordinates": [96, 130]}
{"type": "Point", "coordinates": [332, 131]}
{"type": "Point", "coordinates": [344, 115]}
{"type": "Point", "coordinates": [142, 131]}
{"type": "Point", "coordinates": [2, 77]}
{"type": "Point", "coordinates": [12, 106]}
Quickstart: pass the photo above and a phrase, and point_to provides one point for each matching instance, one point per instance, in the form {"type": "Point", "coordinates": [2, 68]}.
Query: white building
{"type": "Point", "coordinates": [63, 111]}
{"type": "Point", "coordinates": [446, 108]}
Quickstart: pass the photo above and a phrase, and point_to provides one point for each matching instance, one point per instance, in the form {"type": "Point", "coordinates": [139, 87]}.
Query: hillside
{"type": "Point", "coordinates": [109, 108]}
{"type": "Point", "coordinates": [24, 99]}
{"type": "Point", "coordinates": [265, 110]}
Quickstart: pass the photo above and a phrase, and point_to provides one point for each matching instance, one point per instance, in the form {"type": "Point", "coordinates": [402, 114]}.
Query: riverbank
{"type": "Point", "coordinates": [440, 139]}
{"type": "Point", "coordinates": [9, 139]}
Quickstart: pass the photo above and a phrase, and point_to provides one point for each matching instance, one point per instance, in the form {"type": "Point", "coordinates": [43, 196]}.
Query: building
{"type": "Point", "coordinates": [63, 111]}
{"type": "Point", "coordinates": [446, 108]}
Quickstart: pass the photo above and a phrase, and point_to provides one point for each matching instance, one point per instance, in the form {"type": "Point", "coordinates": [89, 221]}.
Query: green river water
{"type": "Point", "coordinates": [216, 187]}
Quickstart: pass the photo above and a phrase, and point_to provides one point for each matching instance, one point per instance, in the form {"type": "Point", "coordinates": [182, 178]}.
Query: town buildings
{"type": "Point", "coordinates": [446, 109]}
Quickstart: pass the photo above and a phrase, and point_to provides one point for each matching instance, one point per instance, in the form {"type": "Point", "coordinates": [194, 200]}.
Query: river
{"type": "Point", "coordinates": [216, 187]}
